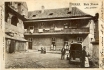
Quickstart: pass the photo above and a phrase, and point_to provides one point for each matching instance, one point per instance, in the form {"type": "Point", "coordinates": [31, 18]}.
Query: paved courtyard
{"type": "Point", "coordinates": [34, 59]}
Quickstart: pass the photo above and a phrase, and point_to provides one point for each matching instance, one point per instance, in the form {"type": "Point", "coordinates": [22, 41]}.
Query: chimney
{"type": "Point", "coordinates": [70, 7]}
{"type": "Point", "coordinates": [42, 9]}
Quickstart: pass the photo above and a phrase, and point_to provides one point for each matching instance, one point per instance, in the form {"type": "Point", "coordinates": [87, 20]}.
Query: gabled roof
{"type": "Point", "coordinates": [57, 13]}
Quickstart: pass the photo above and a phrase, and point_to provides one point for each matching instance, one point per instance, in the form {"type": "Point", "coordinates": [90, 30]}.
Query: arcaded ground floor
{"type": "Point", "coordinates": [55, 42]}
{"type": "Point", "coordinates": [34, 59]}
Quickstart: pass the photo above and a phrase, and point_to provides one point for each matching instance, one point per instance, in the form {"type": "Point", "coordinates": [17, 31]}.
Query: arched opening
{"type": "Point", "coordinates": [14, 20]}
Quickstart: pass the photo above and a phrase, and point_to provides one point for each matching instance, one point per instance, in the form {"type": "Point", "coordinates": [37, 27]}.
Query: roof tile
{"type": "Point", "coordinates": [61, 12]}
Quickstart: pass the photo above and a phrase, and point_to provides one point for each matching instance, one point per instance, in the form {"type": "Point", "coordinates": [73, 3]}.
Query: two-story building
{"type": "Point", "coordinates": [14, 27]}
{"type": "Point", "coordinates": [56, 28]}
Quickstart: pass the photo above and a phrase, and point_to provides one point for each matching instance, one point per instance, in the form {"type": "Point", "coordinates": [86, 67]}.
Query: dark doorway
{"type": "Point", "coordinates": [53, 45]}
{"type": "Point", "coordinates": [30, 45]}
{"type": "Point", "coordinates": [12, 46]}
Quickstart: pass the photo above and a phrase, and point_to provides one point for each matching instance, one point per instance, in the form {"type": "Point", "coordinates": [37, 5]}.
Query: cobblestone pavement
{"type": "Point", "coordinates": [33, 59]}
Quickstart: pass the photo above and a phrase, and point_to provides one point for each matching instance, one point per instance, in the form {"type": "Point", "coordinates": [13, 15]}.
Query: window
{"type": "Point", "coordinates": [19, 4]}
{"type": "Point", "coordinates": [68, 12]}
{"type": "Point", "coordinates": [30, 39]}
{"type": "Point", "coordinates": [14, 20]}
{"type": "Point", "coordinates": [65, 40]}
{"type": "Point", "coordinates": [91, 39]}
{"type": "Point", "coordinates": [53, 39]}
{"type": "Point", "coordinates": [79, 39]}
{"type": "Point", "coordinates": [34, 15]}
{"type": "Point", "coordinates": [41, 25]}
{"type": "Point", "coordinates": [51, 14]}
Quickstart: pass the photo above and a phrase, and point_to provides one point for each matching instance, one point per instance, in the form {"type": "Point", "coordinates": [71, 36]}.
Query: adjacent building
{"type": "Point", "coordinates": [15, 14]}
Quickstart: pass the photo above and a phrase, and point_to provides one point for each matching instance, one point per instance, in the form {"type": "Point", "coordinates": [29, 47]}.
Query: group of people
{"type": "Point", "coordinates": [82, 58]}
{"type": "Point", "coordinates": [43, 50]}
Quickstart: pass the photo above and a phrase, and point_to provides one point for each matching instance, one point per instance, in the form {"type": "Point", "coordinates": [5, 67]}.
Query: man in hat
{"type": "Point", "coordinates": [63, 51]}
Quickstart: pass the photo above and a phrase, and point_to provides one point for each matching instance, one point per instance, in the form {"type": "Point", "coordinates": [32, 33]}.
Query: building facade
{"type": "Point", "coordinates": [57, 28]}
{"type": "Point", "coordinates": [14, 27]}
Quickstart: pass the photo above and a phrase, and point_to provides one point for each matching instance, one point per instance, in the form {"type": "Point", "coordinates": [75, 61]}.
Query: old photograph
{"type": "Point", "coordinates": [52, 34]}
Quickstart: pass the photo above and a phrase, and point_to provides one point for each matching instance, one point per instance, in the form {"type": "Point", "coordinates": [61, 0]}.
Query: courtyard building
{"type": "Point", "coordinates": [57, 28]}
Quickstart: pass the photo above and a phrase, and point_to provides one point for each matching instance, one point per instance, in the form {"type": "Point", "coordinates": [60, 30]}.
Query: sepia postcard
{"type": "Point", "coordinates": [51, 34]}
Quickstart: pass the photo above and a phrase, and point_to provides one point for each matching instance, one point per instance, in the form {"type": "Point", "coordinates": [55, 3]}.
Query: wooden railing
{"type": "Point", "coordinates": [64, 31]}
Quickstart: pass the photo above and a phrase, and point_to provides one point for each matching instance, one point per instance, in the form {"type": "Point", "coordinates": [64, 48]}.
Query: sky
{"type": "Point", "coordinates": [54, 4]}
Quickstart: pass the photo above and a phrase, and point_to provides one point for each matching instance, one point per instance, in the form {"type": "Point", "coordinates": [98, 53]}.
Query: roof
{"type": "Point", "coordinates": [56, 13]}
{"type": "Point", "coordinates": [15, 38]}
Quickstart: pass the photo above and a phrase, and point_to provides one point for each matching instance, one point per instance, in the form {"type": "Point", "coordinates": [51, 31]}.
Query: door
{"type": "Point", "coordinates": [53, 45]}
{"type": "Point", "coordinates": [12, 46]}
{"type": "Point", "coordinates": [30, 45]}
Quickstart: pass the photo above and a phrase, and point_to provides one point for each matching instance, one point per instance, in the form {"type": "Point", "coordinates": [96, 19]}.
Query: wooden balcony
{"type": "Point", "coordinates": [63, 31]}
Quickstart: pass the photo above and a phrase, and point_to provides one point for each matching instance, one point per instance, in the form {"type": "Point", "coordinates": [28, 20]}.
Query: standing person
{"type": "Point", "coordinates": [54, 47]}
{"type": "Point", "coordinates": [41, 49]}
{"type": "Point", "coordinates": [44, 49]}
{"type": "Point", "coordinates": [83, 57]}
{"type": "Point", "coordinates": [63, 51]}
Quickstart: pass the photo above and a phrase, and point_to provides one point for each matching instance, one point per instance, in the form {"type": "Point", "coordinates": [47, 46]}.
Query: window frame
{"type": "Point", "coordinates": [79, 39]}
{"type": "Point", "coordinates": [30, 39]}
